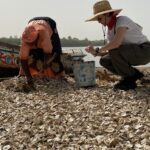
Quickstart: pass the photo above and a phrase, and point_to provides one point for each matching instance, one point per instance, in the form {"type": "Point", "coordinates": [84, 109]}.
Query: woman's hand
{"type": "Point", "coordinates": [30, 84]}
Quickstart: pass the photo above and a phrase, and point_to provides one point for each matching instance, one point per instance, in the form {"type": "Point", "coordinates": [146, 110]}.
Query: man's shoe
{"type": "Point", "coordinates": [125, 87]}
{"type": "Point", "coordinates": [122, 81]}
{"type": "Point", "coordinates": [137, 76]}
{"type": "Point", "coordinates": [128, 83]}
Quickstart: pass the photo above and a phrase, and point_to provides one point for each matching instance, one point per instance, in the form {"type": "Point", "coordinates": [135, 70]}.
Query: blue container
{"type": "Point", "coordinates": [84, 73]}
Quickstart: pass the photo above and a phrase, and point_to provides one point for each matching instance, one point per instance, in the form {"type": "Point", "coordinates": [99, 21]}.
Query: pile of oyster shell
{"type": "Point", "coordinates": [59, 115]}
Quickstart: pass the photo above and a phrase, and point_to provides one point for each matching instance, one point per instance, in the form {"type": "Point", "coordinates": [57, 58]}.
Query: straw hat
{"type": "Point", "coordinates": [102, 7]}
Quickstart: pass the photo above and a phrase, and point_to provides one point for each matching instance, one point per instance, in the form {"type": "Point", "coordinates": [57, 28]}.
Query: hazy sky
{"type": "Point", "coordinates": [70, 16]}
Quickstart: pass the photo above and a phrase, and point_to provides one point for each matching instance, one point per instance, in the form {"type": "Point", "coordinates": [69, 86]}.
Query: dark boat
{"type": "Point", "coordinates": [9, 59]}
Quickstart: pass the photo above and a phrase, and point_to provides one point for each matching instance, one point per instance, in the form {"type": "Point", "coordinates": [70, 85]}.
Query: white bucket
{"type": "Point", "coordinates": [84, 73]}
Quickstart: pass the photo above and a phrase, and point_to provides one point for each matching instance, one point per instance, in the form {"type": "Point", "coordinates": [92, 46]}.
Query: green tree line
{"type": "Point", "coordinates": [11, 40]}
{"type": "Point", "coordinates": [65, 42]}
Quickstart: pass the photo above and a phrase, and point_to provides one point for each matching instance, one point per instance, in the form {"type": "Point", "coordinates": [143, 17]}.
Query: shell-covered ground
{"type": "Point", "coordinates": [58, 115]}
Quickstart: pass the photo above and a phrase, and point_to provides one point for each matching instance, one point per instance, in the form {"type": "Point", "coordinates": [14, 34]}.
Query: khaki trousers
{"type": "Point", "coordinates": [121, 60]}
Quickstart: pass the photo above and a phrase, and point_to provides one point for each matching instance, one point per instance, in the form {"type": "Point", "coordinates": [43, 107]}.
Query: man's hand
{"type": "Point", "coordinates": [90, 49]}
{"type": "Point", "coordinates": [102, 53]}
{"type": "Point", "coordinates": [96, 52]}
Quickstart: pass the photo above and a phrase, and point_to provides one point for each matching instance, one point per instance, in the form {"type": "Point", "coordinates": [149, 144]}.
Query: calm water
{"type": "Point", "coordinates": [88, 56]}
